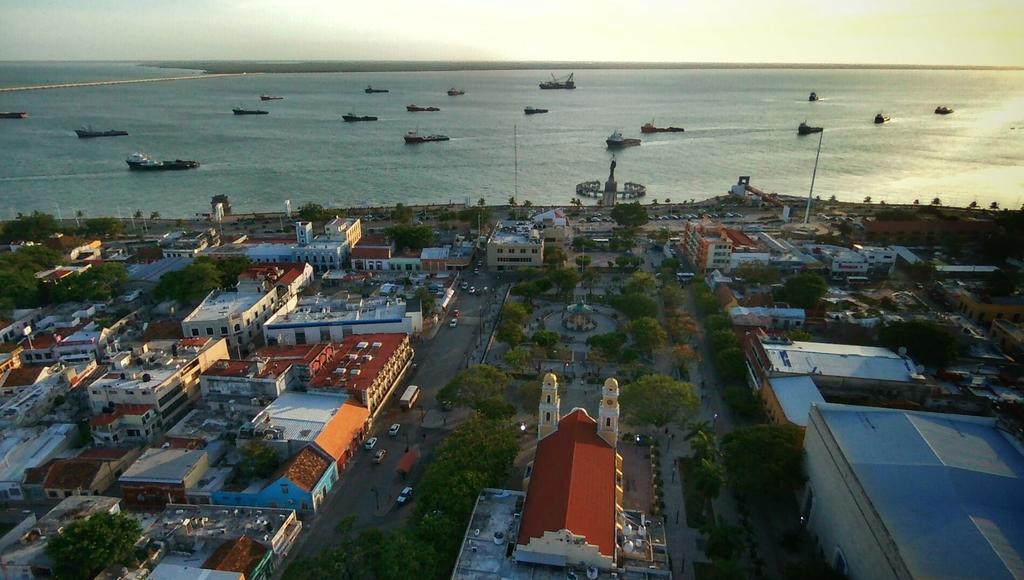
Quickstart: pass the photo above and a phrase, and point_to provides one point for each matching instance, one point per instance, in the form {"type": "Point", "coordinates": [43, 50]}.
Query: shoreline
{"type": "Point", "coordinates": [363, 66]}
{"type": "Point", "coordinates": [118, 82]}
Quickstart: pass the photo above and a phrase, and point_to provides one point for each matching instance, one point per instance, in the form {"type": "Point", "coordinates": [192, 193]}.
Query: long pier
{"type": "Point", "coordinates": [125, 82]}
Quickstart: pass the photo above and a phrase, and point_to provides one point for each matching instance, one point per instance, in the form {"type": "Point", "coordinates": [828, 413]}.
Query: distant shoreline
{"type": "Point", "coordinates": [357, 66]}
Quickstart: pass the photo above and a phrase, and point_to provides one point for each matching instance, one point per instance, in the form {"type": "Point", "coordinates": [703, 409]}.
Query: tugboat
{"type": "Point", "coordinates": [18, 115]}
{"type": "Point", "coordinates": [559, 83]}
{"type": "Point", "coordinates": [454, 92]}
{"type": "Point", "coordinates": [370, 90]}
{"type": "Point", "coordinates": [942, 110]}
{"type": "Point", "coordinates": [534, 111]}
{"type": "Point", "coordinates": [813, 97]}
{"type": "Point", "coordinates": [88, 133]}
{"type": "Point", "coordinates": [805, 129]}
{"type": "Point", "coordinates": [350, 118]}
{"type": "Point", "coordinates": [418, 109]}
{"type": "Point", "coordinates": [617, 141]}
{"type": "Point", "coordinates": [143, 162]}
{"type": "Point", "coordinates": [413, 137]}
{"type": "Point", "coordinates": [650, 128]}
{"type": "Point", "coordinates": [270, 98]}
{"type": "Point", "coordinates": [241, 111]}
{"type": "Point", "coordinates": [880, 118]}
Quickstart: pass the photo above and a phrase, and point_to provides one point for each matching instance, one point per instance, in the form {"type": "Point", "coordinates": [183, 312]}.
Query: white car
{"type": "Point", "coordinates": [393, 431]}
{"type": "Point", "coordinates": [404, 497]}
{"type": "Point", "coordinates": [370, 443]}
{"type": "Point", "coordinates": [453, 323]}
{"type": "Point", "coordinates": [378, 457]}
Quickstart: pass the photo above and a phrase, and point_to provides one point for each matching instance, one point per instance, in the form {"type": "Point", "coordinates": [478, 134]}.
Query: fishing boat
{"type": "Point", "coordinates": [351, 118]}
{"type": "Point", "coordinates": [9, 115]}
{"type": "Point", "coordinates": [270, 98]}
{"type": "Point", "coordinates": [534, 111]}
{"type": "Point", "coordinates": [617, 141]}
{"type": "Point", "coordinates": [413, 137]}
{"type": "Point", "coordinates": [419, 109]}
{"type": "Point", "coordinates": [805, 129]}
{"type": "Point", "coordinates": [454, 92]}
{"type": "Point", "coordinates": [88, 133]}
{"type": "Point", "coordinates": [240, 111]}
{"type": "Point", "coordinates": [565, 82]}
{"type": "Point", "coordinates": [942, 110]}
{"type": "Point", "coordinates": [650, 128]}
{"type": "Point", "coordinates": [880, 118]}
{"type": "Point", "coordinates": [143, 162]}
{"type": "Point", "coordinates": [370, 90]}
{"type": "Point", "coordinates": [813, 97]}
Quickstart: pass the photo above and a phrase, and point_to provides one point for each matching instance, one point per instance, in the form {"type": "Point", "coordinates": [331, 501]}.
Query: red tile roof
{"type": "Point", "coordinates": [573, 485]}
{"type": "Point", "coordinates": [73, 474]}
{"type": "Point", "coordinates": [306, 468]}
{"type": "Point", "coordinates": [118, 412]}
{"type": "Point", "coordinates": [373, 240]}
{"type": "Point", "coordinates": [281, 274]}
{"type": "Point", "coordinates": [241, 555]}
{"type": "Point", "coordinates": [24, 376]}
{"type": "Point", "coordinates": [36, 475]}
{"type": "Point", "coordinates": [370, 253]}
{"type": "Point", "coordinates": [350, 356]}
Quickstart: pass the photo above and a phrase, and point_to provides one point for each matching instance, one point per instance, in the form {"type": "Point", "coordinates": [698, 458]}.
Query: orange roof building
{"type": "Point", "coordinates": [574, 492]}
{"type": "Point", "coordinates": [243, 555]}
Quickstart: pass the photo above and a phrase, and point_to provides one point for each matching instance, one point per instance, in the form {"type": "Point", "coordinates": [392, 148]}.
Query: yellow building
{"type": "Point", "coordinates": [987, 309]}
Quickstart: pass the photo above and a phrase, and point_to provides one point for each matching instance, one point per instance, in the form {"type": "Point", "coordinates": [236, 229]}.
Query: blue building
{"type": "Point", "coordinates": [302, 484]}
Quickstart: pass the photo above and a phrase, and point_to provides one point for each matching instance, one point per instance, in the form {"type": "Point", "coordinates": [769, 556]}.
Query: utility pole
{"type": "Point", "coordinates": [515, 176]}
{"type": "Point", "coordinates": [807, 212]}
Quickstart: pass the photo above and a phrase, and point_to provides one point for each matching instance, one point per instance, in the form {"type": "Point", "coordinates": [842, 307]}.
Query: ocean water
{"type": "Point", "coordinates": [738, 122]}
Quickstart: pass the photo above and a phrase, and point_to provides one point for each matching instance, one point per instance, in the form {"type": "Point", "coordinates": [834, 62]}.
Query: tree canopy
{"type": "Point", "coordinates": [804, 290]}
{"type": "Point", "coordinates": [34, 227]}
{"type": "Point", "coordinates": [100, 282]}
{"type": "Point", "coordinates": [87, 546]}
{"type": "Point", "coordinates": [314, 212]}
{"type": "Point", "coordinates": [193, 282]}
{"type": "Point", "coordinates": [401, 214]}
{"type": "Point", "coordinates": [757, 273]}
{"type": "Point", "coordinates": [657, 400]}
{"type": "Point", "coordinates": [764, 459]}
{"type": "Point", "coordinates": [648, 334]}
{"type": "Point", "coordinates": [925, 341]}
{"type": "Point", "coordinates": [411, 237]}
{"type": "Point", "coordinates": [472, 386]}
{"type": "Point", "coordinates": [631, 215]}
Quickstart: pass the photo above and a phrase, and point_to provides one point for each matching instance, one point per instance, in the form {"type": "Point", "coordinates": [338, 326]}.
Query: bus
{"type": "Point", "coordinates": [410, 396]}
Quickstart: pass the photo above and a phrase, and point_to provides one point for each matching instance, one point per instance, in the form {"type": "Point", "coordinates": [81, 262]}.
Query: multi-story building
{"type": "Point", "coordinates": [12, 329]}
{"type": "Point", "coordinates": [707, 245]}
{"type": "Point", "coordinates": [25, 448]}
{"type": "Point", "coordinates": [189, 244]}
{"type": "Point", "coordinates": [982, 308]}
{"type": "Point", "coordinates": [895, 494]}
{"type": "Point", "coordinates": [368, 367]}
{"type": "Point", "coordinates": [1009, 336]}
{"type": "Point", "coordinates": [320, 319]}
{"type": "Point", "coordinates": [164, 475]}
{"type": "Point", "coordinates": [236, 317]}
{"type": "Point", "coordinates": [161, 375]}
{"type": "Point", "coordinates": [287, 279]}
{"type": "Point", "coordinates": [258, 378]}
{"type": "Point", "coordinates": [514, 245]}
{"type": "Point", "coordinates": [554, 228]}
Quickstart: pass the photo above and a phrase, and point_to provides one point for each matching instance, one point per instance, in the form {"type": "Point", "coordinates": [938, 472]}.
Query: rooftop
{"type": "Point", "coordinates": [73, 474]}
{"type": "Point", "coordinates": [167, 571]}
{"type": "Point", "coordinates": [795, 396]}
{"type": "Point", "coordinates": [356, 362]}
{"type": "Point", "coordinates": [306, 468]}
{"type": "Point", "coordinates": [949, 488]}
{"type": "Point", "coordinates": [493, 526]}
{"type": "Point", "coordinates": [573, 484]}
{"type": "Point", "coordinates": [163, 465]}
{"type": "Point", "coordinates": [838, 360]}
{"type": "Point", "coordinates": [222, 304]}
{"type": "Point", "coordinates": [515, 233]}
{"type": "Point", "coordinates": [298, 416]}
{"type": "Point", "coordinates": [240, 555]}
{"type": "Point", "coordinates": [320, 311]}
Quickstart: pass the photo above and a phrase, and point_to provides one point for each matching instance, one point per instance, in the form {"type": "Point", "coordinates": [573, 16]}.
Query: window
{"type": "Point", "coordinates": [607, 421]}
{"type": "Point", "coordinates": [325, 335]}
{"type": "Point", "coordinates": [547, 416]}
{"type": "Point", "coordinates": [238, 328]}
{"type": "Point", "coordinates": [209, 331]}
{"type": "Point", "coordinates": [300, 337]}
{"type": "Point", "coordinates": [223, 331]}
{"type": "Point", "coordinates": [285, 488]}
{"type": "Point", "coordinates": [195, 332]}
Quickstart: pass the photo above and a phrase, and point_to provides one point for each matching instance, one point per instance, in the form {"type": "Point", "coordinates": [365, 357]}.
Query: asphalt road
{"type": "Point", "coordinates": [367, 490]}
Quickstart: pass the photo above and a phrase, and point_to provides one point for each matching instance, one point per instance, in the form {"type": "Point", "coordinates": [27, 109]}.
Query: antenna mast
{"type": "Point", "coordinates": [515, 176]}
{"type": "Point", "coordinates": [810, 194]}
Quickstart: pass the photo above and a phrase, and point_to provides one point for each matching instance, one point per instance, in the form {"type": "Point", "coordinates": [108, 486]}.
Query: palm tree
{"type": "Point", "coordinates": [917, 202]}
{"type": "Point", "coordinates": [527, 203]}
{"type": "Point", "coordinates": [973, 205]}
{"type": "Point", "coordinates": [667, 200]}
{"type": "Point", "coordinates": [867, 199]}
{"type": "Point", "coordinates": [936, 201]}
{"type": "Point", "coordinates": [154, 216]}
{"type": "Point", "coordinates": [79, 214]}
{"type": "Point", "coordinates": [512, 200]}
{"type": "Point", "coordinates": [994, 205]}
{"type": "Point", "coordinates": [138, 214]}
{"type": "Point", "coordinates": [481, 202]}
{"type": "Point", "coordinates": [832, 198]}
{"type": "Point", "coordinates": [708, 479]}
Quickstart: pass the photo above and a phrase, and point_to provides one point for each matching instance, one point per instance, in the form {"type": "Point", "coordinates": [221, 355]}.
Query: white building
{"type": "Point", "coordinates": [316, 319]}
{"type": "Point", "coordinates": [895, 494]}
{"type": "Point", "coordinates": [515, 245]}
{"type": "Point", "coordinates": [22, 449]}
{"type": "Point", "coordinates": [237, 317]}
{"type": "Point", "coordinates": [768, 317]}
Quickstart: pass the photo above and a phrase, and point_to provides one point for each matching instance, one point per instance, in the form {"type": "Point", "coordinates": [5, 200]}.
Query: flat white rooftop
{"type": "Point", "coordinates": [795, 396]}
{"type": "Point", "coordinates": [839, 360]}
{"type": "Point", "coordinates": [221, 304]}
{"type": "Point", "coordinates": [302, 416]}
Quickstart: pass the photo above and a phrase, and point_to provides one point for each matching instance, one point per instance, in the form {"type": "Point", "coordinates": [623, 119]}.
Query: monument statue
{"type": "Point", "coordinates": [611, 171]}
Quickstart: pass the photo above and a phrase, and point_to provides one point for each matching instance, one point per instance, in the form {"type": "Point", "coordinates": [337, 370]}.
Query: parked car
{"type": "Point", "coordinates": [378, 457]}
{"type": "Point", "coordinates": [370, 443]}
{"type": "Point", "coordinates": [393, 431]}
{"type": "Point", "coordinates": [453, 323]}
{"type": "Point", "coordinates": [457, 313]}
{"type": "Point", "coordinates": [404, 497]}
{"type": "Point", "coordinates": [464, 286]}
{"type": "Point", "coordinates": [472, 289]}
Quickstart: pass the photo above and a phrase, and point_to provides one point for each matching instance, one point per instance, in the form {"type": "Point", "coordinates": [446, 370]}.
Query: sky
{"type": "Point", "coordinates": [918, 32]}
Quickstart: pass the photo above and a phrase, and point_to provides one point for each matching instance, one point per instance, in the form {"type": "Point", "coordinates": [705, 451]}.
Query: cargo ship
{"type": "Point", "coordinates": [370, 90]}
{"type": "Point", "coordinates": [240, 111]}
{"type": "Point", "coordinates": [143, 162]}
{"type": "Point", "coordinates": [880, 118]}
{"type": "Point", "coordinates": [943, 111]}
{"type": "Point", "coordinates": [650, 128]}
{"type": "Point", "coordinates": [559, 83]}
{"type": "Point", "coordinates": [270, 98]}
{"type": "Point", "coordinates": [8, 115]}
{"type": "Point", "coordinates": [454, 92]}
{"type": "Point", "coordinates": [414, 137]}
{"type": "Point", "coordinates": [617, 141]}
{"type": "Point", "coordinates": [418, 109]}
{"type": "Point", "coordinates": [534, 111]}
{"type": "Point", "coordinates": [805, 129]}
{"type": "Point", "coordinates": [350, 118]}
{"type": "Point", "coordinates": [813, 97]}
{"type": "Point", "coordinates": [88, 133]}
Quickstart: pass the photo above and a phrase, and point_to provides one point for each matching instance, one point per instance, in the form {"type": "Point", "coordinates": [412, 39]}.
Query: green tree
{"type": "Point", "coordinates": [518, 358]}
{"type": "Point", "coordinates": [554, 257]}
{"type": "Point", "coordinates": [804, 290]}
{"type": "Point", "coordinates": [628, 262]}
{"type": "Point", "coordinates": [635, 305]}
{"type": "Point", "coordinates": [35, 258]}
{"type": "Point", "coordinates": [230, 269]}
{"type": "Point", "coordinates": [515, 312]}
{"type": "Point", "coordinates": [259, 461]}
{"type": "Point", "coordinates": [21, 289]}
{"type": "Point", "coordinates": [757, 273]}
{"type": "Point", "coordinates": [708, 478]}
{"type": "Point", "coordinates": [640, 283]}
{"type": "Point", "coordinates": [527, 290]}
{"type": "Point", "coordinates": [717, 322]}
{"type": "Point", "coordinates": [101, 282]}
{"type": "Point", "coordinates": [401, 214]}
{"type": "Point", "coordinates": [764, 460]}
{"type": "Point", "coordinates": [630, 215]}
{"type": "Point", "coordinates": [610, 343]}
{"type": "Point", "coordinates": [648, 334]}
{"type": "Point", "coordinates": [731, 364]}
{"type": "Point", "coordinates": [190, 284]}
{"type": "Point", "coordinates": [314, 212]}
{"type": "Point", "coordinates": [87, 546]}
{"type": "Point", "coordinates": [352, 558]}
{"type": "Point", "coordinates": [582, 260]}
{"type": "Point", "coordinates": [546, 338]}
{"type": "Point", "coordinates": [411, 237]}
{"type": "Point", "coordinates": [815, 569]}
{"type": "Point", "coordinates": [510, 332]}
{"type": "Point", "coordinates": [103, 227]}
{"type": "Point", "coordinates": [475, 215]}
{"type": "Point", "coordinates": [723, 339]}
{"type": "Point", "coordinates": [657, 400]}
{"type": "Point", "coordinates": [428, 301]}
{"type": "Point", "coordinates": [925, 341]}
{"type": "Point", "coordinates": [565, 280]}
{"type": "Point", "coordinates": [473, 385]}
{"type": "Point", "coordinates": [35, 227]}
